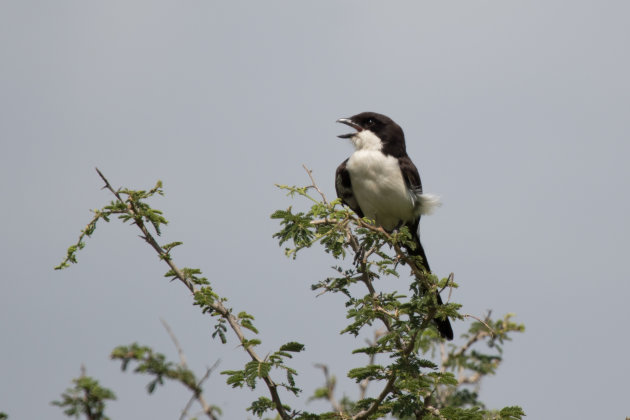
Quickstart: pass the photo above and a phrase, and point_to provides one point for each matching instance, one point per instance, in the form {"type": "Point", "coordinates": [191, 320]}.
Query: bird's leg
{"type": "Point", "coordinates": [398, 259]}
{"type": "Point", "coordinates": [358, 257]}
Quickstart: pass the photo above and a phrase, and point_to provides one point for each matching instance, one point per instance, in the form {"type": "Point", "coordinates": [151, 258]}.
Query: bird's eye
{"type": "Point", "coordinates": [370, 121]}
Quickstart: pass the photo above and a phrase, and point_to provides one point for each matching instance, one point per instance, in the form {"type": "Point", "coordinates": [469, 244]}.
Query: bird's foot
{"type": "Point", "coordinates": [359, 256]}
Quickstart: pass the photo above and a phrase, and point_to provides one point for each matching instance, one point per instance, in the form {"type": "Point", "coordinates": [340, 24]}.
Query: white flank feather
{"type": "Point", "coordinates": [428, 203]}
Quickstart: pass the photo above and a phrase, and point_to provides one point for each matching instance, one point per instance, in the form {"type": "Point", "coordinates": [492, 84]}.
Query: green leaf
{"type": "Point", "coordinates": [260, 406]}
{"type": "Point", "coordinates": [292, 347]}
{"type": "Point", "coordinates": [168, 247]}
{"type": "Point", "coordinates": [251, 343]}
{"type": "Point", "coordinates": [246, 323]}
{"type": "Point", "coordinates": [235, 378]}
{"type": "Point", "coordinates": [371, 372]}
{"type": "Point", "coordinates": [511, 413]}
{"type": "Point", "coordinates": [205, 298]}
{"type": "Point", "coordinates": [87, 396]}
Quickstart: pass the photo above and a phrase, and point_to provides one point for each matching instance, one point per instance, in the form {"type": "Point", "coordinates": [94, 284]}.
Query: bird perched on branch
{"type": "Point", "coordinates": [379, 181]}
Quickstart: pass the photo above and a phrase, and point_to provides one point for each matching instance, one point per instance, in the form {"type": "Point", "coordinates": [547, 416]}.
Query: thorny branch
{"type": "Point", "coordinates": [216, 306]}
{"type": "Point", "coordinates": [146, 235]}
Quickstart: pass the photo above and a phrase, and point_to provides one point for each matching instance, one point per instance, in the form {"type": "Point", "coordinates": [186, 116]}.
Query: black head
{"type": "Point", "coordinates": [383, 127]}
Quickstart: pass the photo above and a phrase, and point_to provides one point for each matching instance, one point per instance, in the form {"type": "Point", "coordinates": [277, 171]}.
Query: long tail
{"type": "Point", "coordinates": [443, 325]}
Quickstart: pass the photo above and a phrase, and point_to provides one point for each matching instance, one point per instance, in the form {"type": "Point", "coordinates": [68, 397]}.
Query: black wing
{"type": "Point", "coordinates": [410, 174]}
{"type": "Point", "coordinates": [343, 186]}
{"type": "Point", "coordinates": [412, 180]}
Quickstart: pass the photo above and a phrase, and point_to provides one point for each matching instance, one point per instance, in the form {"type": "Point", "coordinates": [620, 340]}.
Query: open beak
{"type": "Point", "coordinates": [352, 124]}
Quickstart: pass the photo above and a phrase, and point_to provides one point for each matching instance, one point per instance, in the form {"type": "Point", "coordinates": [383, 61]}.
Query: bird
{"type": "Point", "coordinates": [379, 181]}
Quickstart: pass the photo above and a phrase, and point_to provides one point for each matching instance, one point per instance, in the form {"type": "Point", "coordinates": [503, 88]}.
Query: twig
{"type": "Point", "coordinates": [435, 412]}
{"type": "Point", "coordinates": [323, 221]}
{"type": "Point", "coordinates": [208, 411]}
{"type": "Point", "coordinates": [182, 358]}
{"type": "Point", "coordinates": [364, 414]}
{"type": "Point", "coordinates": [472, 340]}
{"type": "Point", "coordinates": [443, 357]}
{"type": "Point", "coordinates": [314, 185]}
{"type": "Point", "coordinates": [449, 281]}
{"type": "Point", "coordinates": [482, 321]}
{"type": "Point", "coordinates": [86, 397]}
{"type": "Point", "coordinates": [330, 387]}
{"type": "Point", "coordinates": [472, 379]}
{"type": "Point", "coordinates": [180, 351]}
{"type": "Point", "coordinates": [363, 385]}
{"type": "Point", "coordinates": [420, 274]}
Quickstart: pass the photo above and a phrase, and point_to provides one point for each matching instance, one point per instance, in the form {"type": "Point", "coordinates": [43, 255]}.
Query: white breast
{"type": "Point", "coordinates": [379, 188]}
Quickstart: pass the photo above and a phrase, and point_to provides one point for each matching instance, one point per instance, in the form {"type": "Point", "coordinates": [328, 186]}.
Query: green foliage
{"type": "Point", "coordinates": [371, 372]}
{"type": "Point", "coordinates": [156, 365]}
{"type": "Point", "coordinates": [220, 329]}
{"type": "Point", "coordinates": [3, 416]}
{"type": "Point", "coordinates": [87, 397]}
{"type": "Point", "coordinates": [260, 406]}
{"type": "Point", "coordinates": [417, 375]}
{"type": "Point", "coordinates": [246, 321]}
{"type": "Point", "coordinates": [260, 369]}
{"type": "Point", "coordinates": [129, 205]}
{"type": "Point", "coordinates": [299, 228]}
{"type": "Point", "coordinates": [414, 386]}
{"type": "Point", "coordinates": [511, 413]}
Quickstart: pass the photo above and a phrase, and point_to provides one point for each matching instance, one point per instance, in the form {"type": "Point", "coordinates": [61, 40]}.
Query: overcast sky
{"type": "Point", "coordinates": [516, 113]}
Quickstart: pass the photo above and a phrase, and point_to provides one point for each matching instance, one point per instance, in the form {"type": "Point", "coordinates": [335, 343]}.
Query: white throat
{"type": "Point", "coordinates": [367, 140]}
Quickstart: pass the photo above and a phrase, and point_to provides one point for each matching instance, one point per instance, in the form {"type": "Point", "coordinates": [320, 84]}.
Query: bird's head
{"type": "Point", "coordinates": [374, 132]}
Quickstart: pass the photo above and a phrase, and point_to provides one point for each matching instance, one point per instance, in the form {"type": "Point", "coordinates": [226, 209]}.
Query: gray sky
{"type": "Point", "coordinates": [516, 113]}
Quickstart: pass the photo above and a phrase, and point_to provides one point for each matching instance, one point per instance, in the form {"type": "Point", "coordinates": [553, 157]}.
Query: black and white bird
{"type": "Point", "coordinates": [379, 181]}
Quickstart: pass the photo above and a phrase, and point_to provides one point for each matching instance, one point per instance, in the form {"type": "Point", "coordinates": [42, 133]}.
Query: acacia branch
{"type": "Point", "coordinates": [131, 210]}
{"type": "Point", "coordinates": [217, 305]}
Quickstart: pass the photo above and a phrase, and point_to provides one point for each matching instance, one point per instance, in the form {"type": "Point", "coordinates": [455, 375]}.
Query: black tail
{"type": "Point", "coordinates": [443, 325]}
